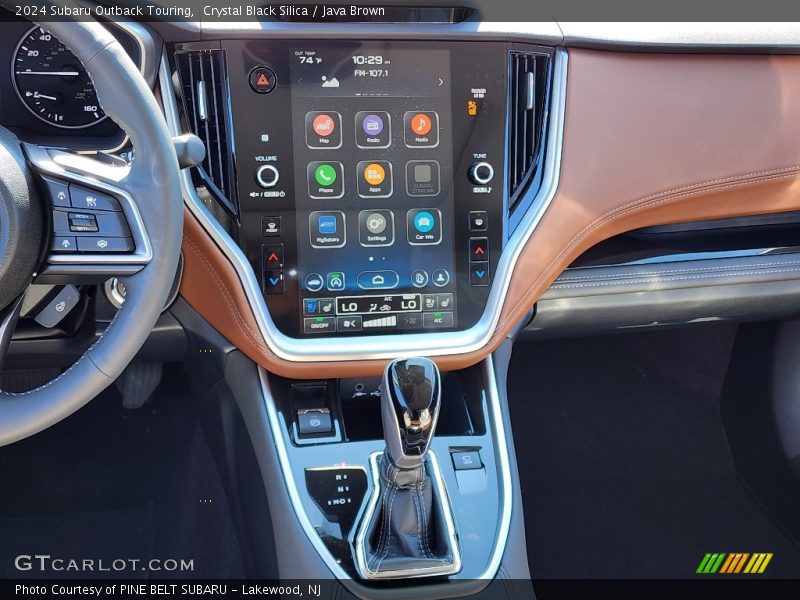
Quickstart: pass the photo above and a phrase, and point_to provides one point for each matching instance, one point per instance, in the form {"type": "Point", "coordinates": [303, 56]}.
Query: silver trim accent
{"type": "Point", "coordinates": [44, 163]}
{"type": "Point", "coordinates": [202, 102]}
{"type": "Point", "coordinates": [366, 516]}
{"type": "Point", "coordinates": [506, 491]}
{"type": "Point", "coordinates": [390, 346]}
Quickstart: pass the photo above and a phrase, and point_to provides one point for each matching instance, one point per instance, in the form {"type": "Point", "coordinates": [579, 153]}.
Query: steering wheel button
{"type": "Point", "coordinates": [82, 223]}
{"type": "Point", "coordinates": [86, 199]}
{"type": "Point", "coordinates": [63, 243]}
{"type": "Point", "coordinates": [57, 191]}
{"type": "Point", "coordinates": [104, 244]}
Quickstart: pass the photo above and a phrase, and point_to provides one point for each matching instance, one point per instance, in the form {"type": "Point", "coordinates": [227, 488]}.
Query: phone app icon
{"type": "Point", "coordinates": [325, 175]}
{"type": "Point", "coordinates": [323, 129]}
{"type": "Point", "coordinates": [374, 178]}
{"type": "Point", "coordinates": [421, 129]}
{"type": "Point", "coordinates": [325, 179]}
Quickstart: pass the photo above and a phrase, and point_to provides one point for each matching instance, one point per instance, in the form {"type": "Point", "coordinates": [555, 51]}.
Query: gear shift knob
{"type": "Point", "coordinates": [410, 400]}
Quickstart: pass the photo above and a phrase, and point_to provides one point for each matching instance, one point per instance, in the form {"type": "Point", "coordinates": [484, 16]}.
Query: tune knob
{"type": "Point", "coordinates": [267, 176]}
{"type": "Point", "coordinates": [481, 173]}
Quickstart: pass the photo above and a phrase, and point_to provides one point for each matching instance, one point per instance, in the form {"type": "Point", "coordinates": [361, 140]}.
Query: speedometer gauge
{"type": "Point", "coordinates": [52, 83]}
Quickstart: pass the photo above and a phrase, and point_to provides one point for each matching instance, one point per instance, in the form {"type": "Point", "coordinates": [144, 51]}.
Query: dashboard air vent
{"type": "Point", "coordinates": [203, 86]}
{"type": "Point", "coordinates": [529, 82]}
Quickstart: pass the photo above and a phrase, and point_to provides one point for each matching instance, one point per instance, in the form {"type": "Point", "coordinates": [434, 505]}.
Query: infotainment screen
{"type": "Point", "coordinates": [373, 155]}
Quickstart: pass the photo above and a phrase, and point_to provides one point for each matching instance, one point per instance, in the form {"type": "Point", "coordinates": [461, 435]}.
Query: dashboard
{"type": "Point", "coordinates": [365, 196]}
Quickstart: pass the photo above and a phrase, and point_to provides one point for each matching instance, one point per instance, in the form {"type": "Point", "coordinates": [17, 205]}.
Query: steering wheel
{"type": "Point", "coordinates": [151, 197]}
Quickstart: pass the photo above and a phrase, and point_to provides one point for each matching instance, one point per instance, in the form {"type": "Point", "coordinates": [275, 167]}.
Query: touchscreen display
{"type": "Point", "coordinates": [373, 155]}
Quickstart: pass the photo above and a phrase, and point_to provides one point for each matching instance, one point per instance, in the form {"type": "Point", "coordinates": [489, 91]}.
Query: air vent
{"type": "Point", "coordinates": [203, 87]}
{"type": "Point", "coordinates": [529, 82]}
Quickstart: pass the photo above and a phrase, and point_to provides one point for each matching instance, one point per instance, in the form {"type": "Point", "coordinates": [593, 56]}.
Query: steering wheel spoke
{"type": "Point", "coordinates": [96, 230]}
{"type": "Point", "coordinates": [8, 320]}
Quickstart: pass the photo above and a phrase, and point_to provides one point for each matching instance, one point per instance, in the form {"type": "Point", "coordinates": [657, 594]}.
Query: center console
{"type": "Point", "coordinates": [370, 181]}
{"type": "Point", "coordinates": [380, 192]}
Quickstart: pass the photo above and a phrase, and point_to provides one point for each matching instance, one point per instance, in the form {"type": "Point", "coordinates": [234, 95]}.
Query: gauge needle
{"type": "Point", "coordinates": [61, 73]}
{"type": "Point", "coordinates": [38, 95]}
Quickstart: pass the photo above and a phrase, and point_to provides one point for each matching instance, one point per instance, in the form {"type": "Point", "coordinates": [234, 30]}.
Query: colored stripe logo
{"type": "Point", "coordinates": [734, 563]}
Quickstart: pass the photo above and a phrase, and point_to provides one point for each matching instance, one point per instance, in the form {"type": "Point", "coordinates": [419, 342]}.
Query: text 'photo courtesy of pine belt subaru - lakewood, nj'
{"type": "Point", "coordinates": [438, 299]}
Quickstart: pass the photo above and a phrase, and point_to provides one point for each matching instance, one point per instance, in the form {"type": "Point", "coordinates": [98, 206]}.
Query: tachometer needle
{"type": "Point", "coordinates": [60, 73]}
{"type": "Point", "coordinates": [38, 95]}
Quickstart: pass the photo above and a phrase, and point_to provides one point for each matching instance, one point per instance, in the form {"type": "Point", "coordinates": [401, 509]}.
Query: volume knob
{"type": "Point", "coordinates": [267, 176]}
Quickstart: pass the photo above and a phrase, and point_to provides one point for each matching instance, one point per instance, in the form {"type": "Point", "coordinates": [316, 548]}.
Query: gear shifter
{"type": "Point", "coordinates": [409, 531]}
{"type": "Point", "coordinates": [410, 399]}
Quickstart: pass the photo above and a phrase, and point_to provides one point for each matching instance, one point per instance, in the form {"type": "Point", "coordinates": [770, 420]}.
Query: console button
{"type": "Point", "coordinates": [440, 277]}
{"type": "Point", "coordinates": [444, 301]}
{"type": "Point", "coordinates": [434, 320]}
{"type": "Point", "coordinates": [323, 129]}
{"type": "Point", "coordinates": [319, 325]}
{"type": "Point", "coordinates": [270, 226]}
{"type": "Point", "coordinates": [272, 255]}
{"type": "Point", "coordinates": [351, 323]}
{"type": "Point", "coordinates": [429, 301]}
{"type": "Point", "coordinates": [424, 226]}
{"type": "Point", "coordinates": [478, 249]}
{"type": "Point", "coordinates": [479, 274]}
{"type": "Point", "coordinates": [419, 278]}
{"type": "Point", "coordinates": [325, 179]}
{"type": "Point", "coordinates": [378, 280]}
{"type": "Point", "coordinates": [85, 199]}
{"type": "Point", "coordinates": [422, 178]}
{"type": "Point", "coordinates": [481, 173]}
{"type": "Point", "coordinates": [267, 176]}
{"type": "Point", "coordinates": [273, 282]}
{"type": "Point", "coordinates": [263, 80]}
{"type": "Point", "coordinates": [373, 129]}
{"type": "Point", "coordinates": [421, 129]}
{"type": "Point", "coordinates": [311, 306]}
{"type": "Point", "coordinates": [326, 229]}
{"type": "Point", "coordinates": [466, 460]}
{"type": "Point", "coordinates": [313, 422]}
{"type": "Point", "coordinates": [105, 244]}
{"type": "Point", "coordinates": [374, 178]}
{"type": "Point", "coordinates": [478, 220]}
{"type": "Point", "coordinates": [376, 228]}
{"type": "Point", "coordinates": [334, 281]}
{"type": "Point", "coordinates": [314, 282]}
{"type": "Point", "coordinates": [326, 306]}
{"type": "Point", "coordinates": [58, 192]}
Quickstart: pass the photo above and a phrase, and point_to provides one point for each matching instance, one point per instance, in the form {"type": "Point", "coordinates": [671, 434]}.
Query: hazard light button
{"type": "Point", "coordinates": [263, 80]}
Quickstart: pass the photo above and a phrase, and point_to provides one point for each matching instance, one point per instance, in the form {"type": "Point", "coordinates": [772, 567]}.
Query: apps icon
{"type": "Point", "coordinates": [424, 226]}
{"type": "Point", "coordinates": [376, 227]}
{"type": "Point", "coordinates": [421, 129]}
{"type": "Point", "coordinates": [374, 178]}
{"type": "Point", "coordinates": [326, 229]}
{"type": "Point", "coordinates": [422, 178]}
{"type": "Point", "coordinates": [323, 129]}
{"type": "Point", "coordinates": [373, 129]}
{"type": "Point", "coordinates": [325, 179]}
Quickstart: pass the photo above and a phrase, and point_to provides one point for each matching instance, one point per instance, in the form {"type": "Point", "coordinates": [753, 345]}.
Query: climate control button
{"type": "Point", "coordinates": [267, 176]}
